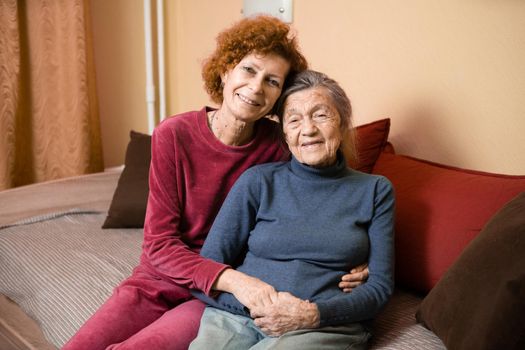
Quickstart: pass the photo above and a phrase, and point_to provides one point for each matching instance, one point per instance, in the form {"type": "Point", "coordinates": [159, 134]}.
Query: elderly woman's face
{"type": "Point", "coordinates": [312, 127]}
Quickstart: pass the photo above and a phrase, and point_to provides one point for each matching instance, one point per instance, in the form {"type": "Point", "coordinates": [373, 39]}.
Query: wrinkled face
{"type": "Point", "coordinates": [253, 85]}
{"type": "Point", "coordinates": [312, 127]}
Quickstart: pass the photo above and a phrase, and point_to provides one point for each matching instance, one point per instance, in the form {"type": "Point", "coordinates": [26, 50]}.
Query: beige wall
{"type": "Point", "coordinates": [449, 73]}
{"type": "Point", "coordinates": [118, 37]}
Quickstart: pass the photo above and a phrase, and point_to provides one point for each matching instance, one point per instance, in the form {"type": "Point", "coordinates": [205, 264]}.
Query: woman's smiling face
{"type": "Point", "coordinates": [253, 85]}
{"type": "Point", "coordinates": [312, 127]}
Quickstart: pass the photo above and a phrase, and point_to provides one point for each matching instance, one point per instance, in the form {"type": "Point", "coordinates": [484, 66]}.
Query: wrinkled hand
{"type": "Point", "coordinates": [286, 313]}
{"type": "Point", "coordinates": [254, 293]}
{"type": "Point", "coordinates": [357, 276]}
{"type": "Point", "coordinates": [250, 291]}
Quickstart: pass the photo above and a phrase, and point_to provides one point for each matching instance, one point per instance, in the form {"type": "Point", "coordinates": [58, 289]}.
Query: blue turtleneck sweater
{"type": "Point", "coordinates": [301, 229]}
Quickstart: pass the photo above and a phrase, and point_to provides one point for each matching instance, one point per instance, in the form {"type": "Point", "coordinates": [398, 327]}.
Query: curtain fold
{"type": "Point", "coordinates": [49, 124]}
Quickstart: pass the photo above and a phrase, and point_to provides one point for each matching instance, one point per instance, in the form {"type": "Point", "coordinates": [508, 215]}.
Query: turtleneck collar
{"type": "Point", "coordinates": [336, 170]}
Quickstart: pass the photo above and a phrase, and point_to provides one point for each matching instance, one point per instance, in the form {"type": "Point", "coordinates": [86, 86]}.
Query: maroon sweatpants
{"type": "Point", "coordinates": [144, 312]}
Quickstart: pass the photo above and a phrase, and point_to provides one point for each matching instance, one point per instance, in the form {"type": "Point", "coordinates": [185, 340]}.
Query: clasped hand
{"type": "Point", "coordinates": [286, 313]}
{"type": "Point", "coordinates": [276, 313]}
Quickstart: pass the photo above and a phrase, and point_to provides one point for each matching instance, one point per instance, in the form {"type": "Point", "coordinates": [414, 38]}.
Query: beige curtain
{"type": "Point", "coordinates": [49, 125]}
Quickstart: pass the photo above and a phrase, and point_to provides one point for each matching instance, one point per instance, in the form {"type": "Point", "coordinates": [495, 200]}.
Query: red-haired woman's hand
{"type": "Point", "coordinates": [357, 276]}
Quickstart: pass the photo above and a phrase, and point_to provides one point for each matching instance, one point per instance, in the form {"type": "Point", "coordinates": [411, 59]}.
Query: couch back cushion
{"type": "Point", "coordinates": [439, 210]}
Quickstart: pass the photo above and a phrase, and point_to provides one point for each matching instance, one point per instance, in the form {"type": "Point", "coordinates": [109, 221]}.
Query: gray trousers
{"type": "Point", "coordinates": [223, 330]}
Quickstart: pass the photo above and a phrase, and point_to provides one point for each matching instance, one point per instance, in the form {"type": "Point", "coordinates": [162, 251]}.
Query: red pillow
{"type": "Point", "coordinates": [371, 139]}
{"type": "Point", "coordinates": [439, 210]}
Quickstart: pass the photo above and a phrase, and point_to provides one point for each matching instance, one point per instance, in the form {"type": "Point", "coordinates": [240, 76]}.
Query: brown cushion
{"type": "Point", "coordinates": [128, 206]}
{"type": "Point", "coordinates": [480, 302]}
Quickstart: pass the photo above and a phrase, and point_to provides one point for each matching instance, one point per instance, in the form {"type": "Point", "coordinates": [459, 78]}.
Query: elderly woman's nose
{"type": "Point", "coordinates": [308, 126]}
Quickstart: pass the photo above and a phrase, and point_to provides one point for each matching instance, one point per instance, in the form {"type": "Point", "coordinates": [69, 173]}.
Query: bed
{"type": "Point", "coordinates": [57, 263]}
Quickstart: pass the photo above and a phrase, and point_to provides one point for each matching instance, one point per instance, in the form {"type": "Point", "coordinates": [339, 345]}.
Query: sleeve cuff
{"type": "Point", "coordinates": [330, 316]}
{"type": "Point", "coordinates": [206, 275]}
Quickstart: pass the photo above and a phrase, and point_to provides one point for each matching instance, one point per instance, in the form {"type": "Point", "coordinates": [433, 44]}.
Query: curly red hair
{"type": "Point", "coordinates": [261, 34]}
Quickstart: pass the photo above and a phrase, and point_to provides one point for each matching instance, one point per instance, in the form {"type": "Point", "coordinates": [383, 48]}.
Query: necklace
{"type": "Point", "coordinates": [217, 132]}
{"type": "Point", "coordinates": [224, 132]}
{"type": "Point", "coordinates": [210, 118]}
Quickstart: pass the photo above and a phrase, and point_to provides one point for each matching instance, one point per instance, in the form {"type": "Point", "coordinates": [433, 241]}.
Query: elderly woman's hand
{"type": "Point", "coordinates": [356, 277]}
{"type": "Point", "coordinates": [250, 291]}
{"type": "Point", "coordinates": [287, 313]}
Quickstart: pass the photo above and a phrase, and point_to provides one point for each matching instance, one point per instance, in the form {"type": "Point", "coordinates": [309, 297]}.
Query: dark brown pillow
{"type": "Point", "coordinates": [128, 206]}
{"type": "Point", "coordinates": [480, 301]}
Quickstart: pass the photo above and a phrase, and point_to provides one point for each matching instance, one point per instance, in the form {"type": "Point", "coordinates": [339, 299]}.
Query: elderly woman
{"type": "Point", "coordinates": [299, 225]}
{"type": "Point", "coordinates": [196, 158]}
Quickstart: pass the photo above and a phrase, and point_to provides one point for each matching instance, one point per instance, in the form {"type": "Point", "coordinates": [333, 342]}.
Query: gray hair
{"type": "Point", "coordinates": [310, 79]}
